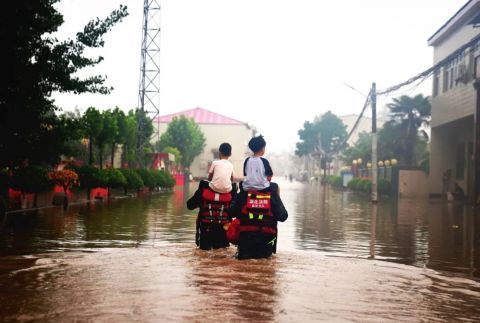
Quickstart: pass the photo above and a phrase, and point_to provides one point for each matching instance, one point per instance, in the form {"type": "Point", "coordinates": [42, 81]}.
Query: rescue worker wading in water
{"type": "Point", "coordinates": [214, 199]}
{"type": "Point", "coordinates": [258, 206]}
{"type": "Point", "coordinates": [258, 212]}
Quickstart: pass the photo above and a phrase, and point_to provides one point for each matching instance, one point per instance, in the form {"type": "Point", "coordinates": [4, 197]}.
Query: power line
{"type": "Point", "coordinates": [429, 71]}
{"type": "Point", "coordinates": [355, 125]}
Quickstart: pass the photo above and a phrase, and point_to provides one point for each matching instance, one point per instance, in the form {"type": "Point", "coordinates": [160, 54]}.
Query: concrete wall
{"type": "Point", "coordinates": [215, 134]}
{"type": "Point", "coordinates": [412, 183]}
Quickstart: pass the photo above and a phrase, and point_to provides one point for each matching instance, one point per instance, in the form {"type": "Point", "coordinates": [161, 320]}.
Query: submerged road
{"type": "Point", "coordinates": [339, 259]}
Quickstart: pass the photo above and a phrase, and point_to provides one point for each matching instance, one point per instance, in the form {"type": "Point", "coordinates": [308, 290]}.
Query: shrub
{"type": "Point", "coordinates": [384, 186]}
{"type": "Point", "coordinates": [163, 178]}
{"type": "Point", "coordinates": [90, 176]}
{"type": "Point", "coordinates": [147, 177]}
{"type": "Point", "coordinates": [31, 179]}
{"type": "Point", "coordinates": [133, 180]}
{"type": "Point", "coordinates": [353, 184]}
{"type": "Point", "coordinates": [64, 178]}
{"type": "Point", "coordinates": [365, 185]}
{"type": "Point", "coordinates": [335, 181]}
{"type": "Point", "coordinates": [115, 178]}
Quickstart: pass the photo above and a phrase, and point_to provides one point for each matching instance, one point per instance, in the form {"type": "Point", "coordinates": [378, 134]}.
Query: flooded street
{"type": "Point", "coordinates": [338, 259]}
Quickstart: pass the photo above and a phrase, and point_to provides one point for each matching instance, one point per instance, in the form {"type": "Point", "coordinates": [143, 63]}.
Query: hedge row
{"type": "Point", "coordinates": [35, 179]}
{"type": "Point", "coordinates": [360, 184]}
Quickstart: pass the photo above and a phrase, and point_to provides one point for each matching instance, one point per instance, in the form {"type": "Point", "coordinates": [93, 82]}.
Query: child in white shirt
{"type": "Point", "coordinates": [221, 171]}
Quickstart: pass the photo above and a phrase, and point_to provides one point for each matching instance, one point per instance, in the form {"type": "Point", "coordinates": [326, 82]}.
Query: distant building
{"type": "Point", "coordinates": [217, 129]}
{"type": "Point", "coordinates": [453, 101]}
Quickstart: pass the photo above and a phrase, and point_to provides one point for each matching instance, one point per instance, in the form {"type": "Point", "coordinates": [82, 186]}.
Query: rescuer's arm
{"type": "Point", "coordinates": [196, 199]}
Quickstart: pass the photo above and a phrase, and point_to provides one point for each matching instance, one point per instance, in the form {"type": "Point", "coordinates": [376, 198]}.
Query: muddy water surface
{"type": "Point", "coordinates": [339, 259]}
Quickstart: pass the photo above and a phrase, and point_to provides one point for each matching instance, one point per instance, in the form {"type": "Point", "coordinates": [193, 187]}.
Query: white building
{"type": "Point", "coordinates": [216, 129]}
{"type": "Point", "coordinates": [454, 99]}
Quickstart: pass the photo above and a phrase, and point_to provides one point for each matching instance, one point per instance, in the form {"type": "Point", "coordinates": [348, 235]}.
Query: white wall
{"type": "Point", "coordinates": [215, 134]}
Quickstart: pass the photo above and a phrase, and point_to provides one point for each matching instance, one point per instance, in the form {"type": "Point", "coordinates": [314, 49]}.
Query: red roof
{"type": "Point", "coordinates": [200, 116]}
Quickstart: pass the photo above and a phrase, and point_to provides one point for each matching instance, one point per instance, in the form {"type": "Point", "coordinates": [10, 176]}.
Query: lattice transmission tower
{"type": "Point", "coordinates": [149, 87]}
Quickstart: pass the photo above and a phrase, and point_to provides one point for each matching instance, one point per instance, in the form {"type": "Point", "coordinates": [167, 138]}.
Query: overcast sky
{"type": "Point", "coordinates": [271, 63]}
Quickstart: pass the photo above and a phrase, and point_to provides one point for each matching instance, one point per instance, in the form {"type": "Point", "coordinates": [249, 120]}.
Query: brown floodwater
{"type": "Point", "coordinates": [339, 258]}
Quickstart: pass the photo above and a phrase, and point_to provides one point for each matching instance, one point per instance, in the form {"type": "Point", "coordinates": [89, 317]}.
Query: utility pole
{"type": "Point", "coordinates": [374, 144]}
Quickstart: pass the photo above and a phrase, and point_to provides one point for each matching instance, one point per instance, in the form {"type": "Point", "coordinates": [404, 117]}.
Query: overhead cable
{"type": "Point", "coordinates": [434, 68]}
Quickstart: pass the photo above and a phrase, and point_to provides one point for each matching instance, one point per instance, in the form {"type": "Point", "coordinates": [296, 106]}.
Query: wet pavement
{"type": "Point", "coordinates": [339, 258]}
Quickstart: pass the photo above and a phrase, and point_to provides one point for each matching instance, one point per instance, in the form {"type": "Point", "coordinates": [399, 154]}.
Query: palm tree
{"type": "Point", "coordinates": [409, 114]}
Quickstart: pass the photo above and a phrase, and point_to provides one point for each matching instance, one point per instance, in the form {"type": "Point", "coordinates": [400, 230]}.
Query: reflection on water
{"type": "Point", "coordinates": [339, 258]}
{"type": "Point", "coordinates": [419, 232]}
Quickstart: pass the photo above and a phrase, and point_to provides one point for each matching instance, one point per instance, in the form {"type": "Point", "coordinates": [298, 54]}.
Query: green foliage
{"type": "Point", "coordinates": [147, 177]}
{"type": "Point", "coordinates": [409, 114]}
{"type": "Point", "coordinates": [34, 64]}
{"type": "Point", "coordinates": [90, 176]}
{"type": "Point", "coordinates": [133, 180]}
{"type": "Point", "coordinates": [31, 179]}
{"type": "Point", "coordinates": [323, 136]}
{"type": "Point", "coordinates": [335, 181]}
{"type": "Point", "coordinates": [108, 133]}
{"type": "Point", "coordinates": [365, 185]}
{"type": "Point", "coordinates": [354, 183]}
{"type": "Point", "coordinates": [92, 125]}
{"type": "Point", "coordinates": [163, 179]}
{"type": "Point", "coordinates": [175, 152]}
{"type": "Point", "coordinates": [144, 148]}
{"type": "Point", "coordinates": [185, 135]}
{"type": "Point", "coordinates": [115, 178]}
{"type": "Point", "coordinates": [401, 137]}
{"type": "Point", "coordinates": [384, 186]}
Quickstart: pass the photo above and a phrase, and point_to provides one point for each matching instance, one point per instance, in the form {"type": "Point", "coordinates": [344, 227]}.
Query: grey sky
{"type": "Point", "coordinates": [271, 63]}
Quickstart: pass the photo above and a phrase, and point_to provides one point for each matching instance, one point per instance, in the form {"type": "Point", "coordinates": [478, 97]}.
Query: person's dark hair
{"type": "Point", "coordinates": [257, 143]}
{"type": "Point", "coordinates": [225, 149]}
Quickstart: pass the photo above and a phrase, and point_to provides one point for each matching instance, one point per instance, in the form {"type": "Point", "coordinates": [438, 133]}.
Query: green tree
{"type": "Point", "coordinates": [71, 124]}
{"type": "Point", "coordinates": [107, 135]}
{"type": "Point", "coordinates": [31, 179]}
{"type": "Point", "coordinates": [93, 124]}
{"type": "Point", "coordinates": [128, 128]}
{"type": "Point", "coordinates": [121, 120]}
{"type": "Point", "coordinates": [410, 114]}
{"type": "Point", "coordinates": [34, 64]}
{"type": "Point", "coordinates": [175, 152]}
{"type": "Point", "coordinates": [185, 135]}
{"type": "Point", "coordinates": [143, 136]}
{"type": "Point", "coordinates": [362, 148]}
{"type": "Point", "coordinates": [323, 136]}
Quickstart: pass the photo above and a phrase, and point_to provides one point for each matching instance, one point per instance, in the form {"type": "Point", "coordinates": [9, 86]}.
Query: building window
{"type": "Point", "coordinates": [436, 83]}
{"type": "Point", "coordinates": [451, 77]}
{"type": "Point", "coordinates": [460, 162]}
{"type": "Point", "coordinates": [445, 80]}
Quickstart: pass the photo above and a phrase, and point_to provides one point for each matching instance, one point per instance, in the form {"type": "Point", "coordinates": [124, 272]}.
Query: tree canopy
{"type": "Point", "coordinates": [34, 64]}
{"type": "Point", "coordinates": [185, 135]}
{"type": "Point", "coordinates": [322, 136]}
{"type": "Point", "coordinates": [401, 137]}
{"type": "Point", "coordinates": [409, 114]}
